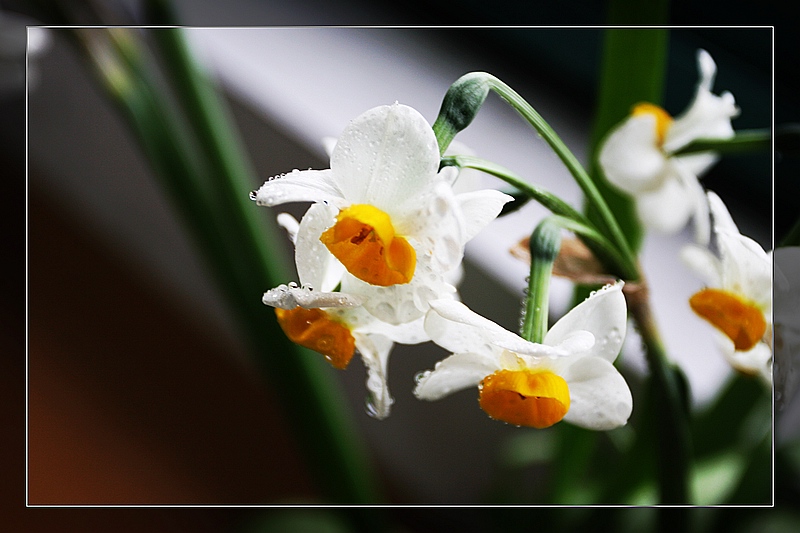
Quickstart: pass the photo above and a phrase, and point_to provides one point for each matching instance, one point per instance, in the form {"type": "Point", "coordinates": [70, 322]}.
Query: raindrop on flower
{"type": "Point", "coordinates": [325, 343]}
{"type": "Point", "coordinates": [253, 195]}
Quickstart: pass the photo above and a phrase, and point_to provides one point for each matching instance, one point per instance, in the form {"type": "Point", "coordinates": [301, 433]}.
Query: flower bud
{"type": "Point", "coordinates": [460, 105]}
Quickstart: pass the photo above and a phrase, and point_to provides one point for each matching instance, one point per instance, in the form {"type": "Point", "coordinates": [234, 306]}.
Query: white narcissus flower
{"type": "Point", "coordinates": [394, 222]}
{"type": "Point", "coordinates": [638, 156]}
{"type": "Point", "coordinates": [568, 376]}
{"type": "Point", "coordinates": [335, 324]}
{"type": "Point", "coordinates": [738, 298]}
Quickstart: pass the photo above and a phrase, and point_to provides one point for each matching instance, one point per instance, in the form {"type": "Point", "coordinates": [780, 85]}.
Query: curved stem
{"type": "Point", "coordinates": [570, 218]}
{"type": "Point", "coordinates": [593, 197]}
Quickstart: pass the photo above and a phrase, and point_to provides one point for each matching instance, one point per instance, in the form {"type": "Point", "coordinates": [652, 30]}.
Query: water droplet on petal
{"type": "Point", "coordinates": [253, 195]}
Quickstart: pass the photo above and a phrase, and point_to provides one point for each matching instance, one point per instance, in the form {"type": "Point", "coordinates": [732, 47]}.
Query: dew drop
{"type": "Point", "coordinates": [292, 285]}
{"type": "Point", "coordinates": [325, 343]}
{"type": "Point", "coordinates": [385, 310]}
{"type": "Point", "coordinates": [253, 195]}
{"type": "Point", "coordinates": [419, 376]}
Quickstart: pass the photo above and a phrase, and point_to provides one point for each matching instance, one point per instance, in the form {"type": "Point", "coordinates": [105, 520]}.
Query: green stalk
{"type": "Point", "coordinates": [744, 141]}
{"type": "Point", "coordinates": [569, 217]}
{"type": "Point", "coordinates": [674, 442]}
{"type": "Point", "coordinates": [607, 222]}
{"type": "Point", "coordinates": [545, 243]}
{"type": "Point", "coordinates": [633, 67]}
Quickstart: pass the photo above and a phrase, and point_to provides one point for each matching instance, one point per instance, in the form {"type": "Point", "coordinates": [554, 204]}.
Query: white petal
{"type": "Point", "coordinates": [576, 342]}
{"type": "Point", "coordinates": [599, 396]}
{"type": "Point", "coordinates": [289, 297]}
{"type": "Point", "coordinates": [722, 217]}
{"type": "Point", "coordinates": [703, 263]}
{"type": "Point", "coordinates": [290, 225]}
{"type": "Point", "coordinates": [455, 373]}
{"type": "Point", "coordinates": [455, 327]}
{"type": "Point", "coordinates": [698, 202]}
{"type": "Point", "coordinates": [746, 267]}
{"type": "Point", "coordinates": [410, 333]}
{"type": "Point", "coordinates": [435, 228]}
{"type": "Point", "coordinates": [316, 266]}
{"type": "Point", "coordinates": [402, 303]}
{"type": "Point", "coordinates": [301, 186]}
{"type": "Point", "coordinates": [756, 361]}
{"type": "Point", "coordinates": [708, 116]}
{"type": "Point", "coordinates": [604, 315]}
{"type": "Point", "coordinates": [697, 164]}
{"type": "Point", "coordinates": [374, 350]}
{"type": "Point", "coordinates": [386, 156]}
{"type": "Point", "coordinates": [630, 156]}
{"type": "Point", "coordinates": [479, 208]}
{"type": "Point", "coordinates": [666, 209]}
{"type": "Point", "coordinates": [328, 144]}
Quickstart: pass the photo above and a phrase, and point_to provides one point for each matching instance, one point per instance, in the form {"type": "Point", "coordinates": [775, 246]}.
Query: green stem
{"type": "Point", "coordinates": [609, 225]}
{"type": "Point", "coordinates": [671, 410]}
{"type": "Point", "coordinates": [570, 217]}
{"type": "Point", "coordinates": [545, 243]}
{"type": "Point", "coordinates": [744, 141]}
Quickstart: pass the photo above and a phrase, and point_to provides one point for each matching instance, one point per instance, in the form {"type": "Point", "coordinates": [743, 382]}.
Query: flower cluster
{"type": "Point", "coordinates": [378, 255]}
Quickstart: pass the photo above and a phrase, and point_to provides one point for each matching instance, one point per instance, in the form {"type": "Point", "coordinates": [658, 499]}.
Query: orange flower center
{"type": "Point", "coordinates": [316, 330]}
{"type": "Point", "coordinates": [363, 239]}
{"type": "Point", "coordinates": [663, 119]}
{"type": "Point", "coordinates": [525, 398]}
{"type": "Point", "coordinates": [742, 321]}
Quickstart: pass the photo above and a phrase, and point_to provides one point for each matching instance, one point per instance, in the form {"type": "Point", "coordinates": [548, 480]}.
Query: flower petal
{"type": "Point", "coordinates": [386, 156]}
{"type": "Point", "coordinates": [479, 208]}
{"type": "Point", "coordinates": [719, 211]}
{"type": "Point", "coordinates": [300, 186]}
{"type": "Point", "coordinates": [455, 373]}
{"type": "Point", "coordinates": [708, 116]}
{"type": "Point", "coordinates": [316, 266]}
{"type": "Point", "coordinates": [455, 327]}
{"type": "Point", "coordinates": [599, 396]}
{"type": "Point", "coordinates": [289, 224]}
{"type": "Point", "coordinates": [409, 333]}
{"type": "Point", "coordinates": [375, 351]}
{"type": "Point", "coordinates": [289, 297]}
{"type": "Point", "coordinates": [668, 208]}
{"type": "Point", "coordinates": [754, 362]}
{"type": "Point", "coordinates": [399, 304]}
{"type": "Point", "coordinates": [746, 268]}
{"type": "Point", "coordinates": [604, 315]}
{"type": "Point", "coordinates": [435, 228]}
{"type": "Point", "coordinates": [703, 263]}
{"type": "Point", "coordinates": [576, 342]}
{"type": "Point", "coordinates": [631, 157]}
